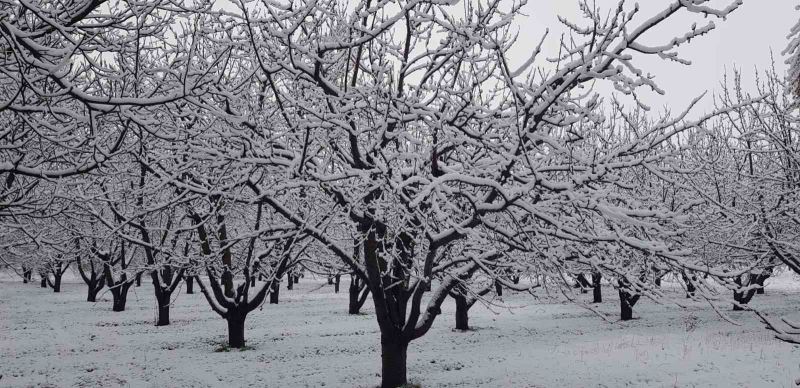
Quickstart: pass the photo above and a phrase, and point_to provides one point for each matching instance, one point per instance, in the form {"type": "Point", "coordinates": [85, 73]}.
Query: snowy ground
{"type": "Point", "coordinates": [309, 340]}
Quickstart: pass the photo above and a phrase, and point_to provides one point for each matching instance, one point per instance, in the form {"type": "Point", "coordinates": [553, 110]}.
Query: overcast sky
{"type": "Point", "coordinates": [743, 40]}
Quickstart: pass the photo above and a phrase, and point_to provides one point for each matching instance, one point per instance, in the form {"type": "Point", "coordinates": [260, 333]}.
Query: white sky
{"type": "Point", "coordinates": [743, 40]}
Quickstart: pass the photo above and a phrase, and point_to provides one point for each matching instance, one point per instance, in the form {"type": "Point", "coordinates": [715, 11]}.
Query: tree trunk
{"type": "Point", "coordinates": [44, 282]}
{"type": "Point", "coordinates": [273, 294]}
{"type": "Point", "coordinates": [236, 330]}
{"type": "Point", "coordinates": [120, 299]}
{"type": "Point", "coordinates": [119, 302]}
{"type": "Point", "coordinates": [163, 310]}
{"type": "Point", "coordinates": [626, 310]}
{"type": "Point", "coordinates": [91, 295]}
{"type": "Point", "coordinates": [744, 297]}
{"type": "Point", "coordinates": [462, 312]}
{"type": "Point", "coordinates": [760, 279]}
{"type": "Point", "coordinates": [227, 280]}
{"type": "Point", "coordinates": [139, 279]}
{"type": "Point", "coordinates": [163, 315]}
{"type": "Point", "coordinates": [330, 280]}
{"type": "Point", "coordinates": [93, 284]}
{"type": "Point", "coordinates": [583, 283]}
{"type": "Point", "coordinates": [336, 281]}
{"type": "Point", "coordinates": [498, 288]}
{"type": "Point", "coordinates": [737, 297]}
{"type": "Point", "coordinates": [597, 289]}
{"type": "Point", "coordinates": [358, 295]}
{"type": "Point", "coordinates": [57, 282]}
{"type": "Point", "coordinates": [393, 363]}
{"type": "Point", "coordinates": [289, 282]}
{"type": "Point", "coordinates": [190, 284]}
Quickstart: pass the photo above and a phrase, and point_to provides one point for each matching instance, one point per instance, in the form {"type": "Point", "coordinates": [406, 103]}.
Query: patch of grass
{"type": "Point", "coordinates": [224, 348]}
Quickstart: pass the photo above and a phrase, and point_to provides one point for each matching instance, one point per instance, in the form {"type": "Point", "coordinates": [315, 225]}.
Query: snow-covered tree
{"type": "Point", "coordinates": [751, 184]}
{"type": "Point", "coordinates": [409, 121]}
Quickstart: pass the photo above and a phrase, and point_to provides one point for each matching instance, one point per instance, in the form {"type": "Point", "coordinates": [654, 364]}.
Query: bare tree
{"type": "Point", "coordinates": [413, 126]}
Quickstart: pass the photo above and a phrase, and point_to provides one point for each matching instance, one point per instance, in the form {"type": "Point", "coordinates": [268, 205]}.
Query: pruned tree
{"type": "Point", "coordinates": [755, 168]}
{"type": "Point", "coordinates": [409, 124]}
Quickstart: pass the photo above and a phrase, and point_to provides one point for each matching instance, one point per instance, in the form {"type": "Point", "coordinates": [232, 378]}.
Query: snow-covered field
{"type": "Point", "coordinates": [309, 340]}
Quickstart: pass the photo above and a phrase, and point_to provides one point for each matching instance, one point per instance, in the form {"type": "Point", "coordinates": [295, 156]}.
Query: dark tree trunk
{"type": "Point", "coordinates": [255, 273]}
{"type": "Point", "coordinates": [91, 295]}
{"type": "Point", "coordinates": [358, 293]}
{"type": "Point", "coordinates": [95, 281]}
{"type": "Point", "coordinates": [462, 312]}
{"type": "Point", "coordinates": [190, 284]}
{"type": "Point", "coordinates": [744, 297]}
{"type": "Point", "coordinates": [498, 288]}
{"type": "Point", "coordinates": [235, 310]}
{"type": "Point", "coordinates": [94, 288]}
{"type": "Point", "coordinates": [760, 279]}
{"type": "Point", "coordinates": [43, 283]}
{"type": "Point", "coordinates": [227, 277]}
{"type": "Point", "coordinates": [139, 279]}
{"type": "Point", "coordinates": [393, 362]}
{"type": "Point", "coordinates": [165, 282]}
{"type": "Point", "coordinates": [738, 298]}
{"type": "Point", "coordinates": [56, 281]}
{"type": "Point", "coordinates": [119, 290]}
{"type": "Point", "coordinates": [274, 292]}
{"type": "Point", "coordinates": [163, 299]}
{"type": "Point", "coordinates": [626, 310]}
{"type": "Point", "coordinates": [626, 301]}
{"type": "Point", "coordinates": [597, 290]}
{"type": "Point", "coordinates": [233, 304]}
{"type": "Point", "coordinates": [583, 283]}
{"type": "Point", "coordinates": [120, 298]}
{"type": "Point", "coordinates": [27, 275]}
{"type": "Point", "coordinates": [289, 282]}
{"type": "Point", "coordinates": [336, 281]}
{"type": "Point", "coordinates": [236, 330]}
{"type": "Point", "coordinates": [163, 313]}
{"type": "Point", "coordinates": [330, 280]}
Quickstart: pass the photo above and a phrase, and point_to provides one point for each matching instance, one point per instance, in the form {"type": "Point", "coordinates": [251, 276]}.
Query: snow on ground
{"type": "Point", "coordinates": [309, 340]}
